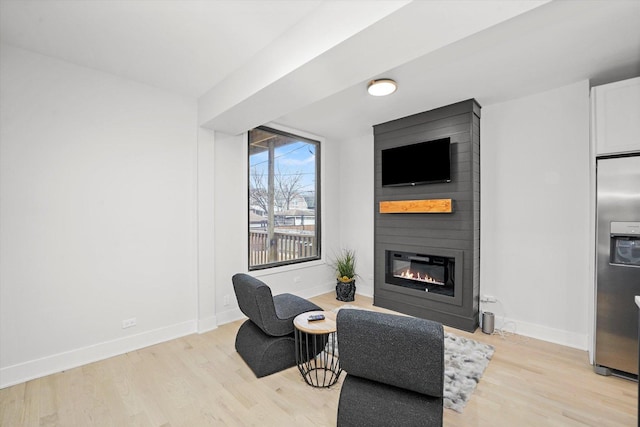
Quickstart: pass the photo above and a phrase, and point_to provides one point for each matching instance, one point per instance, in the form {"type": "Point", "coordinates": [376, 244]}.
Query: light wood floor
{"type": "Point", "coordinates": [200, 380]}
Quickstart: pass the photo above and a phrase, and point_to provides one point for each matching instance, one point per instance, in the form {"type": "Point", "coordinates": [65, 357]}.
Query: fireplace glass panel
{"type": "Point", "coordinates": [419, 271]}
{"type": "Point", "coordinates": [429, 273]}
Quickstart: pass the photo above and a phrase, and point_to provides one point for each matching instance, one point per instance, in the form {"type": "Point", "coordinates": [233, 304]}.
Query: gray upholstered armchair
{"type": "Point", "coordinates": [395, 370]}
{"type": "Point", "coordinates": [265, 341]}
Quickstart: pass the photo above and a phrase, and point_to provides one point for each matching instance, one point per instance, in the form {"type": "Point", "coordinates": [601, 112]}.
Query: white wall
{"type": "Point", "coordinates": [97, 215]}
{"type": "Point", "coordinates": [230, 221]}
{"type": "Point", "coordinates": [207, 319]}
{"type": "Point", "coordinates": [231, 231]}
{"type": "Point", "coordinates": [535, 181]}
{"type": "Point", "coordinates": [357, 206]}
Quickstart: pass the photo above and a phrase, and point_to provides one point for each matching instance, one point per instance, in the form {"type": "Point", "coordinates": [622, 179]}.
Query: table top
{"type": "Point", "coordinates": [325, 326]}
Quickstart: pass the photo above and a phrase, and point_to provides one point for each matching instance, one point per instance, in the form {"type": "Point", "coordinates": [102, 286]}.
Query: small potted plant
{"type": "Point", "coordinates": [345, 265]}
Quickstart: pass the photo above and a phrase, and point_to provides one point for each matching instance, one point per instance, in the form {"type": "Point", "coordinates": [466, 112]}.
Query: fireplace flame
{"type": "Point", "coordinates": [408, 274]}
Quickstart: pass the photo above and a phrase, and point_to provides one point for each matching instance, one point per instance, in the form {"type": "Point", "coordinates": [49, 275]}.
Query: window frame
{"type": "Point", "coordinates": [301, 136]}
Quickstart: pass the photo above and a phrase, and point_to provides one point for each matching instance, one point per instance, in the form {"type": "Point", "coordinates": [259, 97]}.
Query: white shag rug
{"type": "Point", "coordinates": [464, 363]}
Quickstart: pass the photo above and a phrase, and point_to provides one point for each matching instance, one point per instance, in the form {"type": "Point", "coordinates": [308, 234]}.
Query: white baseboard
{"type": "Point", "coordinates": [230, 316]}
{"type": "Point", "coordinates": [208, 324]}
{"type": "Point", "coordinates": [544, 333]}
{"type": "Point", "coordinates": [48, 365]}
{"type": "Point", "coordinates": [365, 290]}
{"type": "Point", "coordinates": [317, 290]}
{"type": "Point", "coordinates": [32, 369]}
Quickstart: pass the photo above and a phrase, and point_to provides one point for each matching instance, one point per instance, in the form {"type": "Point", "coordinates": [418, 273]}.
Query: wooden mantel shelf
{"type": "Point", "coordinates": [417, 206]}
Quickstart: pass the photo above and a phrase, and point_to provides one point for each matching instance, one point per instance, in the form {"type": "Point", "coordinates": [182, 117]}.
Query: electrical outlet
{"type": "Point", "coordinates": [226, 300]}
{"type": "Point", "coordinates": [488, 298]}
{"type": "Point", "coordinates": [129, 323]}
{"type": "Point", "coordinates": [296, 280]}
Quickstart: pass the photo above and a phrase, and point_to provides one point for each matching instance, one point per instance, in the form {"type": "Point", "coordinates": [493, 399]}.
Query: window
{"type": "Point", "coordinates": [284, 195]}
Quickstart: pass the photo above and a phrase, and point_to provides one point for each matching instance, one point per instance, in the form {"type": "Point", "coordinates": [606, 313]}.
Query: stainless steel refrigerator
{"type": "Point", "coordinates": [617, 265]}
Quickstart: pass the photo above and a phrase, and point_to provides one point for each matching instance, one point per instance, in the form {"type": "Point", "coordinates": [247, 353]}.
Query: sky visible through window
{"type": "Point", "coordinates": [297, 158]}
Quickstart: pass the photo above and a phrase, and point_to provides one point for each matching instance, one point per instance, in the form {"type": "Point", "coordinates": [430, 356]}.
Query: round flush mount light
{"type": "Point", "coordinates": [381, 87]}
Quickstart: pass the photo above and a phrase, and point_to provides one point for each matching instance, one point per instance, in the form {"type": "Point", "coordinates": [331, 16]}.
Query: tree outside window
{"type": "Point", "coordinates": [284, 220]}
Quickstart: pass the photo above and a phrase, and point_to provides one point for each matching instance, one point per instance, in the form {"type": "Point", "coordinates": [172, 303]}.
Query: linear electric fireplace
{"type": "Point", "coordinates": [423, 272]}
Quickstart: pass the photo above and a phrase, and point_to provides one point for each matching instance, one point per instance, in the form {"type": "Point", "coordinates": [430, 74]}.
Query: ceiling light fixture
{"type": "Point", "coordinates": [381, 87]}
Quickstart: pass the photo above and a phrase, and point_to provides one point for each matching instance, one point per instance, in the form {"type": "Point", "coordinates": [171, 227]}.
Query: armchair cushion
{"type": "Point", "coordinates": [399, 351]}
{"type": "Point", "coordinates": [274, 315]}
{"type": "Point", "coordinates": [264, 354]}
{"type": "Point", "coordinates": [368, 403]}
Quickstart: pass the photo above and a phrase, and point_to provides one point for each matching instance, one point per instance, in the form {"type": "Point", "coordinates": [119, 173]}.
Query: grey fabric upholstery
{"type": "Point", "coordinates": [395, 370]}
{"type": "Point", "coordinates": [274, 315]}
{"type": "Point", "coordinates": [368, 403]}
{"type": "Point", "coordinates": [265, 341]}
{"type": "Point", "coordinates": [264, 354]}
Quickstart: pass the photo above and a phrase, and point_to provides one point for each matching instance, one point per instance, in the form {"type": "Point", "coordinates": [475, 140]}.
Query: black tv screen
{"type": "Point", "coordinates": [422, 163]}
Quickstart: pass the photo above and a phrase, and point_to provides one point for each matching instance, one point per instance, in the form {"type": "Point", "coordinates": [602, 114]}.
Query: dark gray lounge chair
{"type": "Point", "coordinates": [395, 370]}
{"type": "Point", "coordinates": [266, 341]}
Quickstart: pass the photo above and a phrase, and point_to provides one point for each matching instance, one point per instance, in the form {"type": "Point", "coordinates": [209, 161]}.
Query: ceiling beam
{"type": "Point", "coordinates": [258, 94]}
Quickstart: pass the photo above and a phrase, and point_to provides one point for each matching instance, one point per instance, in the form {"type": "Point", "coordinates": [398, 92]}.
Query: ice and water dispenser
{"type": "Point", "coordinates": [625, 243]}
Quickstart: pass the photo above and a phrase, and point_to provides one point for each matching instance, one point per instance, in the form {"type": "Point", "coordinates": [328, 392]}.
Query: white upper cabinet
{"type": "Point", "coordinates": [616, 117]}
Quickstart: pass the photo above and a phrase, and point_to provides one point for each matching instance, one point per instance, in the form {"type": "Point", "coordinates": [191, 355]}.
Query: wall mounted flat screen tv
{"type": "Point", "coordinates": [422, 163]}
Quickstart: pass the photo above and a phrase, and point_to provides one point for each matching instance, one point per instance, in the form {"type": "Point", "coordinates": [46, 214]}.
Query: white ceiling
{"type": "Point", "coordinates": [184, 46]}
{"type": "Point", "coordinates": [305, 64]}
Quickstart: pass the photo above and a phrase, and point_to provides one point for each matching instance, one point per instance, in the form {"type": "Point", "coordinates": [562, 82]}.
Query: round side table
{"type": "Point", "coordinates": [316, 349]}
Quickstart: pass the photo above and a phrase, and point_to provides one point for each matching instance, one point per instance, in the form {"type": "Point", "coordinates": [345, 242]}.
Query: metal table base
{"type": "Point", "coordinates": [317, 359]}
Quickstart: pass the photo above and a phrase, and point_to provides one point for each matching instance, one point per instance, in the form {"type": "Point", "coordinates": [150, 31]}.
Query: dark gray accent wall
{"type": "Point", "coordinates": [455, 233]}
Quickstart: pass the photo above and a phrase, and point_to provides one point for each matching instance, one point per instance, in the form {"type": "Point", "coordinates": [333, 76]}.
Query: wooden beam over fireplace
{"type": "Point", "coordinates": [417, 206]}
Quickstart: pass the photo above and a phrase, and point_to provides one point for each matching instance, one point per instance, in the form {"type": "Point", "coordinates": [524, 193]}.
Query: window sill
{"type": "Point", "coordinates": [286, 268]}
